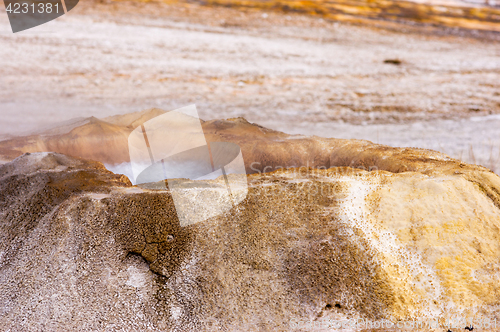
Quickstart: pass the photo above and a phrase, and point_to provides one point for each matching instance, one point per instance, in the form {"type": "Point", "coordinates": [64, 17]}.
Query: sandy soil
{"type": "Point", "coordinates": [290, 72]}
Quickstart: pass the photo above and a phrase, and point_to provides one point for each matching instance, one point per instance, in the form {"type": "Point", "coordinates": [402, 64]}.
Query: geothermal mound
{"type": "Point", "coordinates": [330, 230]}
{"type": "Point", "coordinates": [81, 249]}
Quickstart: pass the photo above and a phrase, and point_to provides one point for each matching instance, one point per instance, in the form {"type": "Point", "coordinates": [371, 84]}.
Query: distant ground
{"type": "Point", "coordinates": [468, 14]}
{"type": "Point", "coordinates": [397, 84]}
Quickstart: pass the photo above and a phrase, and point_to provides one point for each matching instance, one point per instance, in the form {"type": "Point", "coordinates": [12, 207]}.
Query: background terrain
{"type": "Point", "coordinates": [401, 81]}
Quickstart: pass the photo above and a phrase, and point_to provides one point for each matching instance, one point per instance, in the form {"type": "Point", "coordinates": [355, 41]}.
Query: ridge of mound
{"type": "Point", "coordinates": [134, 119]}
{"type": "Point", "coordinates": [263, 149]}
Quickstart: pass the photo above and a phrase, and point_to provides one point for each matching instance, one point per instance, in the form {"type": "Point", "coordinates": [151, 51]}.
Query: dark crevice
{"type": "Point", "coordinates": [491, 192]}
{"type": "Point", "coordinates": [134, 254]}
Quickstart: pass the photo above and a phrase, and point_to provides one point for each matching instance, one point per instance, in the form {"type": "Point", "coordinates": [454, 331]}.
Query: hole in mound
{"type": "Point", "coordinates": [338, 306]}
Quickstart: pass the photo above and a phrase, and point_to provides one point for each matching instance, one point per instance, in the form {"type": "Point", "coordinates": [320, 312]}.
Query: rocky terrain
{"type": "Point", "coordinates": [330, 230]}
{"type": "Point", "coordinates": [83, 250]}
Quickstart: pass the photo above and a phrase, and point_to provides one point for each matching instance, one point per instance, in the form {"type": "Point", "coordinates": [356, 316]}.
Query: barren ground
{"type": "Point", "coordinates": [290, 72]}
